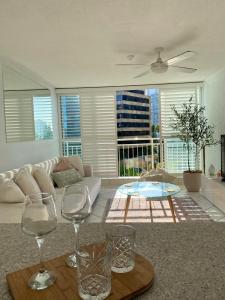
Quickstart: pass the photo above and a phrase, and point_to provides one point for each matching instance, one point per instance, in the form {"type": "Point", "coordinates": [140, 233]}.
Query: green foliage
{"type": "Point", "coordinates": [155, 131]}
{"type": "Point", "coordinates": [192, 126]}
{"type": "Point", "coordinates": [128, 172]}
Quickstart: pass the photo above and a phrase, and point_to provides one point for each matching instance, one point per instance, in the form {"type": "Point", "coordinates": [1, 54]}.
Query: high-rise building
{"type": "Point", "coordinates": [154, 94]}
{"type": "Point", "coordinates": [133, 114]}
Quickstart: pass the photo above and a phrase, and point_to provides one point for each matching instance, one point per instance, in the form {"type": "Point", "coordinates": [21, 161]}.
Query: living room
{"type": "Point", "coordinates": [70, 73]}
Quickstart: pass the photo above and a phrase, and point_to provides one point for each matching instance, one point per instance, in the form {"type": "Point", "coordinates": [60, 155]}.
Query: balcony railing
{"type": "Point", "coordinates": [139, 155]}
{"type": "Point", "coordinates": [143, 154]}
{"type": "Point", "coordinates": [71, 148]}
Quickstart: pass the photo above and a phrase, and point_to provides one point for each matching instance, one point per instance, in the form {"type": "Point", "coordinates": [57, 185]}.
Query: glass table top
{"type": "Point", "coordinates": [149, 189]}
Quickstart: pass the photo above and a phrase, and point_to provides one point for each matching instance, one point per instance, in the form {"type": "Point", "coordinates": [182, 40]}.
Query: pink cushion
{"type": "Point", "coordinates": [77, 164]}
{"type": "Point", "coordinates": [63, 165]}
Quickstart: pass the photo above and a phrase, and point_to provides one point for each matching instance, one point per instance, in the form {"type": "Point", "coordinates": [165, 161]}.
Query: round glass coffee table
{"type": "Point", "coordinates": [151, 190]}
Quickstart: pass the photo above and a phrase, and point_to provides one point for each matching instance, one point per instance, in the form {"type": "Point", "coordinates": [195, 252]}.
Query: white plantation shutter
{"type": "Point", "coordinates": [98, 131]}
{"type": "Point", "coordinates": [174, 96]}
{"type": "Point", "coordinates": [174, 150]}
{"type": "Point", "coordinates": [19, 118]}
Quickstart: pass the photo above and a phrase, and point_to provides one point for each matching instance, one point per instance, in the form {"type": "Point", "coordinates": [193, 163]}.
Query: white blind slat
{"type": "Point", "coordinates": [98, 132]}
{"type": "Point", "coordinates": [19, 121]}
{"type": "Point", "coordinates": [170, 97]}
{"type": "Point", "coordinates": [174, 149]}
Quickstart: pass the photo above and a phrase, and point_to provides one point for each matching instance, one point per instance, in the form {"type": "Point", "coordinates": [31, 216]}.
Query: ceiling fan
{"type": "Point", "coordinates": [161, 66]}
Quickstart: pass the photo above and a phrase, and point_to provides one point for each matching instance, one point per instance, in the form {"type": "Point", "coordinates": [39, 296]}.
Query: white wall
{"type": "Point", "coordinates": [14, 155]}
{"type": "Point", "coordinates": [214, 99]}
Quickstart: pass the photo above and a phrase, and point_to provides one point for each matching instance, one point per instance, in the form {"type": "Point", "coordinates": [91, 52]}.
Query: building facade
{"type": "Point", "coordinates": [133, 114]}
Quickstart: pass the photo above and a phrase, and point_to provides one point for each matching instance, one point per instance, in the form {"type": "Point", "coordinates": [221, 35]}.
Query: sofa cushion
{"type": "Point", "coordinates": [66, 177]}
{"type": "Point", "coordinates": [63, 165]}
{"type": "Point", "coordinates": [10, 192]}
{"type": "Point", "coordinates": [44, 181]}
{"type": "Point", "coordinates": [26, 182]}
{"type": "Point", "coordinates": [76, 162]}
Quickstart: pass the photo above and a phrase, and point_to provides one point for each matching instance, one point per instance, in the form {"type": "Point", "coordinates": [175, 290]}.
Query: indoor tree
{"type": "Point", "coordinates": [192, 127]}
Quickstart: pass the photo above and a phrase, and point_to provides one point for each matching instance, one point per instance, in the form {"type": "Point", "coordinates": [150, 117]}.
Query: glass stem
{"type": "Point", "coordinates": [76, 231]}
{"type": "Point", "coordinates": [40, 242]}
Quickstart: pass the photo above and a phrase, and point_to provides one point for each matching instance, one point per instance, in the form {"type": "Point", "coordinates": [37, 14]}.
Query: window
{"type": "Point", "coordinates": [155, 111]}
{"type": "Point", "coordinates": [42, 107]}
{"type": "Point", "coordinates": [70, 125]}
{"type": "Point", "coordinates": [88, 129]}
{"type": "Point", "coordinates": [28, 117]}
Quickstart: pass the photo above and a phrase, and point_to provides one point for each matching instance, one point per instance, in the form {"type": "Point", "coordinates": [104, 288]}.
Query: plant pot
{"type": "Point", "coordinates": [192, 180]}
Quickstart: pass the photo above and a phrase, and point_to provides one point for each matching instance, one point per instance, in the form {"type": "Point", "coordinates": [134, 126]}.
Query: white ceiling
{"type": "Point", "coordinates": [73, 43]}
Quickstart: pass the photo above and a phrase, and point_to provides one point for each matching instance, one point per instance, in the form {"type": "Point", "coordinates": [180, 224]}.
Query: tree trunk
{"type": "Point", "coordinates": [196, 157]}
{"type": "Point", "coordinates": [188, 149]}
{"type": "Point", "coordinates": [203, 151]}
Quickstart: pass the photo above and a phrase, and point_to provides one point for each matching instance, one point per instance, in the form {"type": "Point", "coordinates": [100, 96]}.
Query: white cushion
{"type": "Point", "coordinates": [26, 182]}
{"type": "Point", "coordinates": [43, 180]}
{"type": "Point", "coordinates": [10, 192]}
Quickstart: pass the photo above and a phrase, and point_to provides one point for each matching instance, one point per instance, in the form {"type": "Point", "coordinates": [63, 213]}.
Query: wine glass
{"type": "Point", "coordinates": [76, 207]}
{"type": "Point", "coordinates": [39, 219]}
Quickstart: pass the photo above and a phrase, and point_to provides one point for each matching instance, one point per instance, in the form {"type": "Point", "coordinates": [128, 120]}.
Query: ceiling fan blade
{"type": "Point", "coordinates": [130, 65]}
{"type": "Point", "coordinates": [180, 57]}
{"type": "Point", "coordinates": [143, 74]}
{"type": "Point", "coordinates": [184, 69]}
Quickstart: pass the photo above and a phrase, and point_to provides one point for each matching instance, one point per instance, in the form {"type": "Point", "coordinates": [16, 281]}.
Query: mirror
{"type": "Point", "coordinates": [28, 108]}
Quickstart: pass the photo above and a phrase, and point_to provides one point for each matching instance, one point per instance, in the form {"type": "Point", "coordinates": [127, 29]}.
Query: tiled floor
{"type": "Point", "coordinates": [103, 202]}
{"type": "Point", "coordinates": [215, 213]}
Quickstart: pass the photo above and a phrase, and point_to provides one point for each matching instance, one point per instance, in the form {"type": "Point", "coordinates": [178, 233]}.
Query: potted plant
{"type": "Point", "coordinates": [193, 129]}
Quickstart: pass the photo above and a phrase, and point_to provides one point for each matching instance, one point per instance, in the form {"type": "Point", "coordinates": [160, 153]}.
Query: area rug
{"type": "Point", "coordinates": [186, 209]}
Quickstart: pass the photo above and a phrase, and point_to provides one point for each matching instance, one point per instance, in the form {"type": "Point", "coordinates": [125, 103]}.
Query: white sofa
{"type": "Point", "coordinates": [12, 212]}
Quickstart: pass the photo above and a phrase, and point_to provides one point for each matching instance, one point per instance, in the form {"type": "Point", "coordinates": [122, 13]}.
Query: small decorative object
{"type": "Point", "coordinates": [218, 174]}
{"type": "Point", "coordinates": [122, 238]}
{"type": "Point", "coordinates": [39, 219]}
{"type": "Point", "coordinates": [212, 170]}
{"type": "Point", "coordinates": [76, 207]}
{"type": "Point", "coordinates": [192, 127]}
{"type": "Point", "coordinates": [94, 270]}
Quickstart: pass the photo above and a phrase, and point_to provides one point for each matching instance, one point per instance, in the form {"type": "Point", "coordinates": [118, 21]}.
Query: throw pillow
{"type": "Point", "coordinates": [77, 164]}
{"type": "Point", "coordinates": [44, 181]}
{"type": "Point", "coordinates": [26, 182]}
{"type": "Point", "coordinates": [10, 192]}
{"type": "Point", "coordinates": [67, 177]}
{"type": "Point", "coordinates": [63, 165]}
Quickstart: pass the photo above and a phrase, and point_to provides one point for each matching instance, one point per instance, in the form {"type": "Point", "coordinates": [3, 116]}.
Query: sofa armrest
{"type": "Point", "coordinates": [88, 170]}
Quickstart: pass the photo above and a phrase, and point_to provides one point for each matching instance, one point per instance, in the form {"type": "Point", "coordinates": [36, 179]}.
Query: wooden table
{"type": "Point", "coordinates": [150, 190]}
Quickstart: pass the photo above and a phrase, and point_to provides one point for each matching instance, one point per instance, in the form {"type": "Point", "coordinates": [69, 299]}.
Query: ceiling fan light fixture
{"type": "Point", "coordinates": [159, 67]}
